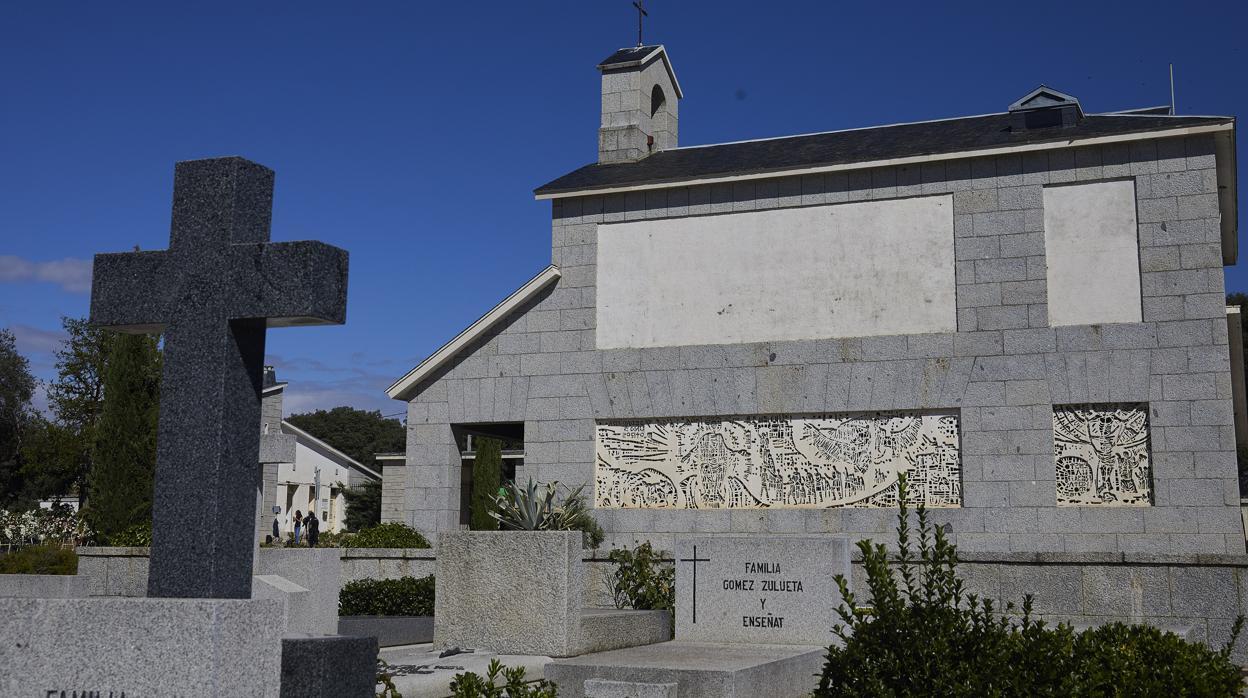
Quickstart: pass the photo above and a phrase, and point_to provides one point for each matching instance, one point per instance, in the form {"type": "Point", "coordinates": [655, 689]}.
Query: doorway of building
{"type": "Point", "coordinates": [511, 434]}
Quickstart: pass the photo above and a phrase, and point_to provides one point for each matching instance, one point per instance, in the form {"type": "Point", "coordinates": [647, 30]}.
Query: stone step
{"type": "Point", "coordinates": [699, 669]}
{"type": "Point", "coordinates": [604, 629]}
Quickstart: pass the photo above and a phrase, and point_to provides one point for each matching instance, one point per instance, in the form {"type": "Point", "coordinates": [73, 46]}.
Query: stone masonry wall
{"type": "Point", "coordinates": [1004, 369]}
{"type": "Point", "coordinates": [1197, 594]}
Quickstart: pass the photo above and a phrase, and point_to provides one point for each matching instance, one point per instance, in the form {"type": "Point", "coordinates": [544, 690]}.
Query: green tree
{"type": "Point", "coordinates": [17, 387]}
{"type": "Point", "coordinates": [487, 477]}
{"type": "Point", "coordinates": [358, 433]}
{"type": "Point", "coordinates": [363, 505]}
{"type": "Point", "coordinates": [53, 460]}
{"type": "Point", "coordinates": [124, 465]}
{"type": "Point", "coordinates": [59, 452]}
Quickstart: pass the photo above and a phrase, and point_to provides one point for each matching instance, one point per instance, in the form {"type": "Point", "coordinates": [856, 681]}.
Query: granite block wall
{"type": "Point", "coordinates": [1003, 369]}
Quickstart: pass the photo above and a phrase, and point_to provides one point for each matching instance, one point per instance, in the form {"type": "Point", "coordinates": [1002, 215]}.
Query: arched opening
{"type": "Point", "coordinates": [657, 100]}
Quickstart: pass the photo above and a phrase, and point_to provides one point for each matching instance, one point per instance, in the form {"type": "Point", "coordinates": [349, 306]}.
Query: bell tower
{"type": "Point", "coordinates": [640, 98]}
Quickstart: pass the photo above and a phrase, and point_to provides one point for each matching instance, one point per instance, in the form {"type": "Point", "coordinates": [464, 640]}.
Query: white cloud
{"type": "Point", "coordinates": [72, 275]}
{"type": "Point", "coordinates": [302, 397]}
{"type": "Point", "coordinates": [33, 341]}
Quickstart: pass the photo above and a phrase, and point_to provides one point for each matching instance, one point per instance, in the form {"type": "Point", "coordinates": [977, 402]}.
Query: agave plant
{"type": "Point", "coordinates": [534, 508]}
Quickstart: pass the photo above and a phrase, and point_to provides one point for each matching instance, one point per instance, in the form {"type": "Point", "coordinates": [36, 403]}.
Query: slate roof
{"type": "Point", "coordinates": [847, 147]}
{"type": "Point", "coordinates": [628, 56]}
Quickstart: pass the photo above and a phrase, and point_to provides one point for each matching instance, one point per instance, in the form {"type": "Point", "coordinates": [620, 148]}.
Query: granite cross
{"type": "Point", "coordinates": [212, 294]}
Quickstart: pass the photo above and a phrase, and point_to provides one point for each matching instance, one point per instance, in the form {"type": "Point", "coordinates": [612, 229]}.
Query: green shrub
{"type": "Point", "coordinates": [470, 685]}
{"type": "Point", "coordinates": [534, 508]}
{"type": "Point", "coordinates": [642, 579]}
{"type": "Point", "coordinates": [924, 635]}
{"type": "Point", "coordinates": [40, 559]}
{"type": "Point", "coordinates": [137, 536]}
{"type": "Point", "coordinates": [406, 596]}
{"type": "Point", "coordinates": [387, 535]}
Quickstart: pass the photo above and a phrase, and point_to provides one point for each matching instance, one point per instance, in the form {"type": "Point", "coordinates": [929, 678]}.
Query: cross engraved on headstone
{"type": "Point", "coordinates": [695, 560]}
{"type": "Point", "coordinates": [212, 294]}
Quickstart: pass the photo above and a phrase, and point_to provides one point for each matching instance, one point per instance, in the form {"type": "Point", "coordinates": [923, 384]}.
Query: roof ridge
{"type": "Point", "coordinates": [836, 130]}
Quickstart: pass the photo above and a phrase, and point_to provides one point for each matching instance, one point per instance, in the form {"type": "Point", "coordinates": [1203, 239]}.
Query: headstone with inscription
{"type": "Point", "coordinates": [754, 616]}
{"type": "Point", "coordinates": [777, 590]}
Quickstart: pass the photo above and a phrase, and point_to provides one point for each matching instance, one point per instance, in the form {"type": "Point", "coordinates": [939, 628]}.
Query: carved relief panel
{"type": "Point", "coordinates": [1101, 454]}
{"type": "Point", "coordinates": [782, 461]}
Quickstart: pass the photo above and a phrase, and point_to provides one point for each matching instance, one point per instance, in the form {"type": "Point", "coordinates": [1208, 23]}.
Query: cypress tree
{"type": "Point", "coordinates": [487, 476]}
{"type": "Point", "coordinates": [124, 462]}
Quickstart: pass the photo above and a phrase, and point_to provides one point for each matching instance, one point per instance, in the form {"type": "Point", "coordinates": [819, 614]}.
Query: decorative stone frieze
{"type": "Point", "coordinates": [779, 461]}
{"type": "Point", "coordinates": [1101, 454]}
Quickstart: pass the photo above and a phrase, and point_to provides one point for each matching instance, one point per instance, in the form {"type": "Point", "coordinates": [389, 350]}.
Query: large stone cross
{"type": "Point", "coordinates": [212, 294]}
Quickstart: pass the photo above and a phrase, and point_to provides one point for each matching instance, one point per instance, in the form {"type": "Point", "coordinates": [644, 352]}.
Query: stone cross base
{"type": "Point", "coordinates": [156, 647]}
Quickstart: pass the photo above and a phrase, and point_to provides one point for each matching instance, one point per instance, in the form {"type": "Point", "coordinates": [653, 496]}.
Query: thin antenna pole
{"type": "Point", "coordinates": [1172, 89]}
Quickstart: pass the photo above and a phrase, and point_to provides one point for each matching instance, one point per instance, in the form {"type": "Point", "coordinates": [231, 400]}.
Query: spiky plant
{"type": "Point", "coordinates": [538, 508]}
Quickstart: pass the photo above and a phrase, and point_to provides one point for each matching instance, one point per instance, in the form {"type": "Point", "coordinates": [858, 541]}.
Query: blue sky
{"type": "Point", "coordinates": [412, 134]}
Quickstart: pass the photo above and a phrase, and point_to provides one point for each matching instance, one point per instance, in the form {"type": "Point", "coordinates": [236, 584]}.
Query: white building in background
{"type": "Point", "coordinates": [301, 472]}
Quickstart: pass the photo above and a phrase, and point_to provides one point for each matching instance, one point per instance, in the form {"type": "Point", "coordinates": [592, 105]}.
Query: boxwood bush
{"type": "Point", "coordinates": [39, 559]}
{"type": "Point", "coordinates": [387, 535]}
{"type": "Point", "coordinates": [922, 634]}
{"type": "Point", "coordinates": [406, 596]}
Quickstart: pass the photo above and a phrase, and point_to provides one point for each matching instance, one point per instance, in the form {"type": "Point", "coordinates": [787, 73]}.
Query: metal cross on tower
{"type": "Point", "coordinates": [641, 12]}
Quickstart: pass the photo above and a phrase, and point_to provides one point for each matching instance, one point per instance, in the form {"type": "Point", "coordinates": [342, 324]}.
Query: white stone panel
{"type": "Point", "coordinates": [779, 462]}
{"type": "Point", "coordinates": [1101, 454]}
{"type": "Point", "coordinates": [1091, 243]}
{"type": "Point", "coordinates": [843, 270]}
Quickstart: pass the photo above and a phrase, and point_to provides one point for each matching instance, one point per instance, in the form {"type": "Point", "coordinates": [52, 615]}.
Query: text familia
{"type": "Point", "coordinates": [751, 581]}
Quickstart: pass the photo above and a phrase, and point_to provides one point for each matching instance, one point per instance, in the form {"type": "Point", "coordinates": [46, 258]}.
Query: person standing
{"type": "Point", "coordinates": [298, 527]}
{"type": "Point", "coordinates": [314, 529]}
{"type": "Point", "coordinates": [277, 529]}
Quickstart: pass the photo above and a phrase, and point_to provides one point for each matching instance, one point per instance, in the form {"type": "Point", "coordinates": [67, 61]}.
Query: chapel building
{"type": "Point", "coordinates": [1023, 311]}
{"type": "Point", "coordinates": [299, 472]}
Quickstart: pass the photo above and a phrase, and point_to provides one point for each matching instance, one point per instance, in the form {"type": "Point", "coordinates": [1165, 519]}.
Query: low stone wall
{"type": "Point", "coordinates": [42, 586]}
{"type": "Point", "coordinates": [390, 631]}
{"type": "Point", "coordinates": [1201, 594]}
{"type": "Point", "coordinates": [111, 571]}
{"type": "Point", "coordinates": [1198, 595]}
{"type": "Point", "coordinates": [385, 563]}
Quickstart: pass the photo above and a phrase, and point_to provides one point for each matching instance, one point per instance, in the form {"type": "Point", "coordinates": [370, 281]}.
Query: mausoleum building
{"type": "Point", "coordinates": [1023, 311]}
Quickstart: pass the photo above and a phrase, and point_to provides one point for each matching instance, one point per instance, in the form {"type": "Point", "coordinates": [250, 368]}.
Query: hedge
{"type": "Point", "coordinates": [40, 559]}
{"type": "Point", "coordinates": [406, 596]}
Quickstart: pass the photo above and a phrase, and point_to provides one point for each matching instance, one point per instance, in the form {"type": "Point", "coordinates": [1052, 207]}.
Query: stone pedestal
{"type": "Point", "coordinates": [512, 592]}
{"type": "Point", "coordinates": [142, 647]}
{"type": "Point", "coordinates": [160, 647]}
{"type": "Point", "coordinates": [319, 571]}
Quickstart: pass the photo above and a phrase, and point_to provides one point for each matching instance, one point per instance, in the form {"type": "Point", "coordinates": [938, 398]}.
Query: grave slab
{"type": "Point", "coordinates": [759, 589]}
{"type": "Point", "coordinates": [43, 586]}
{"type": "Point", "coordinates": [142, 647]}
{"type": "Point", "coordinates": [699, 669]}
